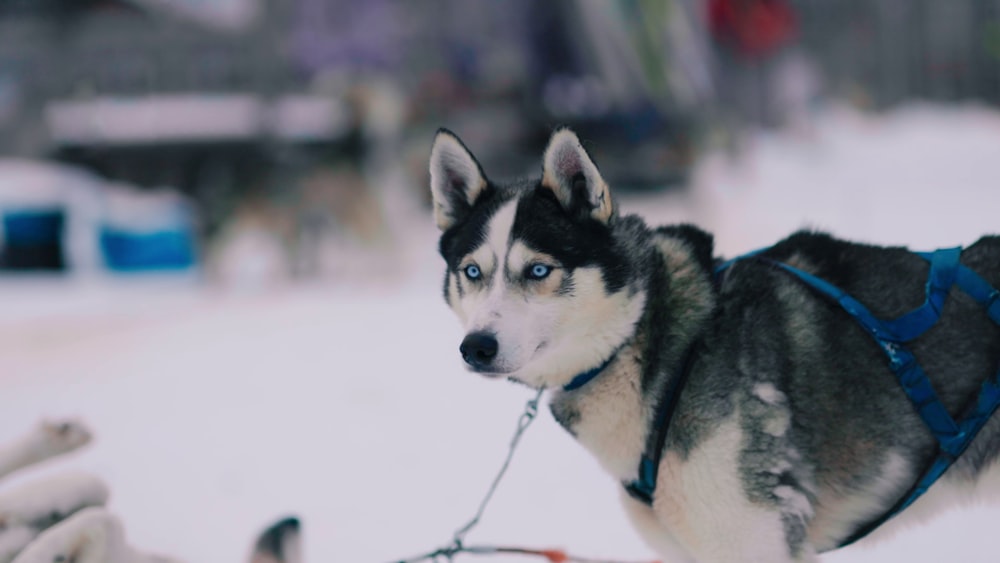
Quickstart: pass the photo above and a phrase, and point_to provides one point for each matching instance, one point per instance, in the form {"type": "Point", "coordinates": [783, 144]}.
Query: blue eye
{"type": "Point", "coordinates": [539, 271]}
{"type": "Point", "coordinates": [472, 272]}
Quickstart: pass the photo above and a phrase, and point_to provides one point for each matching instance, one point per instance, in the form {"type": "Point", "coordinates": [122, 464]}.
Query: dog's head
{"type": "Point", "coordinates": [535, 270]}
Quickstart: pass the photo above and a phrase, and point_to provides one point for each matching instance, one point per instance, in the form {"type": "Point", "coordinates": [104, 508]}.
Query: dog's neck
{"type": "Point", "coordinates": [611, 415]}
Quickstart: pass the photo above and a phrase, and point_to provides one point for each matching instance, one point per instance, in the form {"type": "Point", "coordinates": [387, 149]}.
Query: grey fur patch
{"type": "Point", "coordinates": [566, 286]}
{"type": "Point", "coordinates": [796, 533]}
{"type": "Point", "coordinates": [566, 414]}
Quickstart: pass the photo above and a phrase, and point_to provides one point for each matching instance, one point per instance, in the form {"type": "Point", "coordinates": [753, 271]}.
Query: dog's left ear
{"type": "Point", "coordinates": [569, 172]}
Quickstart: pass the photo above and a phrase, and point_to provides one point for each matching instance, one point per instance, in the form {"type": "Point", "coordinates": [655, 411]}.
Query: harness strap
{"type": "Point", "coordinates": [902, 362]}
{"type": "Point", "coordinates": [644, 486]}
{"type": "Point", "coordinates": [976, 417]}
{"type": "Point", "coordinates": [986, 405]}
{"type": "Point", "coordinates": [953, 438]}
{"type": "Point", "coordinates": [980, 290]}
{"type": "Point", "coordinates": [944, 270]}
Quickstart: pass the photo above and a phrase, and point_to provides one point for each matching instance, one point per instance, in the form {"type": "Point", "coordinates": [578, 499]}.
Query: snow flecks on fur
{"type": "Point", "coordinates": [690, 492]}
{"type": "Point", "coordinates": [776, 418]}
{"type": "Point", "coordinates": [768, 393]}
{"type": "Point", "coordinates": [770, 464]}
{"type": "Point", "coordinates": [778, 424]}
{"type": "Point", "coordinates": [794, 501]}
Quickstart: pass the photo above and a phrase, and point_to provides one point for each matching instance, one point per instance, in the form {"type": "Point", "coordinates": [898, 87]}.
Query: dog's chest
{"type": "Point", "coordinates": [608, 418]}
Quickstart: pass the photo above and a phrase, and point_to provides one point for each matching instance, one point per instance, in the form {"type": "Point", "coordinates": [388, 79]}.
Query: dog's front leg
{"type": "Point", "coordinates": [739, 531]}
{"type": "Point", "coordinates": [653, 532]}
{"type": "Point", "coordinates": [736, 497]}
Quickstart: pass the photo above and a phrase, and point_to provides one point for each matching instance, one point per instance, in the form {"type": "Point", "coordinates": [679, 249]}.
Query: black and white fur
{"type": "Point", "coordinates": [791, 432]}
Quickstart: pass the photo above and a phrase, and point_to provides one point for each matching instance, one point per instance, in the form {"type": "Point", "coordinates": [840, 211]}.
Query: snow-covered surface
{"type": "Point", "coordinates": [215, 413]}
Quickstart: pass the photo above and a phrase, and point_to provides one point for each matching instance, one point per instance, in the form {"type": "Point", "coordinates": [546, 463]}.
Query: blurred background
{"type": "Point", "coordinates": [216, 243]}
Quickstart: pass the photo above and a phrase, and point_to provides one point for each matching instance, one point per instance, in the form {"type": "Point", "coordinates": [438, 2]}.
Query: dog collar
{"type": "Point", "coordinates": [586, 377]}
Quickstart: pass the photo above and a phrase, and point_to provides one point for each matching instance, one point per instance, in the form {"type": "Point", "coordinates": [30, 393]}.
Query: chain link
{"type": "Point", "coordinates": [457, 543]}
{"type": "Point", "coordinates": [530, 410]}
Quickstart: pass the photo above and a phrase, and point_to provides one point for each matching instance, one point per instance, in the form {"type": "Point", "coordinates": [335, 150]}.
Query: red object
{"type": "Point", "coordinates": [555, 556]}
{"type": "Point", "coordinates": [754, 28]}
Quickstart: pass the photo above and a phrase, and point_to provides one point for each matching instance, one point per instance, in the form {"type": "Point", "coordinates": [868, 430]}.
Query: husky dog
{"type": "Point", "coordinates": [789, 434]}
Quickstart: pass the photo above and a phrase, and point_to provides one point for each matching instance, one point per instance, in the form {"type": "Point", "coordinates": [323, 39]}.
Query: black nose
{"type": "Point", "coordinates": [478, 349]}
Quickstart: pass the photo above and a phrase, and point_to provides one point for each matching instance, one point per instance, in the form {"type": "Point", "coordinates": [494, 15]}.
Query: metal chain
{"type": "Point", "coordinates": [456, 546]}
{"type": "Point", "coordinates": [530, 410]}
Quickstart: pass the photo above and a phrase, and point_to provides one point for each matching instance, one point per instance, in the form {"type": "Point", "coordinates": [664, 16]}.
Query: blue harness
{"type": "Point", "coordinates": [952, 437]}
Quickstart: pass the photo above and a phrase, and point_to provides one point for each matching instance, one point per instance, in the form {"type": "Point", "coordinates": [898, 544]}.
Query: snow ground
{"type": "Point", "coordinates": [216, 413]}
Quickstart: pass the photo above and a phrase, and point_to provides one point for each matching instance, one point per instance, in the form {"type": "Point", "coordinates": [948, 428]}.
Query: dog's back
{"type": "Point", "coordinates": [851, 420]}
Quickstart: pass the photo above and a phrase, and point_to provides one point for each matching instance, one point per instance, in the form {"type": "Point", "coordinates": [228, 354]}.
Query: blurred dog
{"type": "Point", "coordinates": [62, 519]}
{"type": "Point", "coordinates": [746, 414]}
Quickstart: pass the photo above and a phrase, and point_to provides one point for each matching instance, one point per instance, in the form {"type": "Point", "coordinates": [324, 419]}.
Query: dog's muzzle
{"type": "Point", "coordinates": [479, 349]}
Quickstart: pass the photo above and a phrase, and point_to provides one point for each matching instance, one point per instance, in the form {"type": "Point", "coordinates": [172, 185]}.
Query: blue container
{"type": "Point", "coordinates": [126, 251]}
{"type": "Point", "coordinates": [33, 240]}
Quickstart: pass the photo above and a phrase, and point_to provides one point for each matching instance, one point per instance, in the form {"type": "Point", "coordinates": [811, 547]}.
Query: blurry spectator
{"type": "Point", "coordinates": [751, 36]}
{"type": "Point", "coordinates": [753, 29]}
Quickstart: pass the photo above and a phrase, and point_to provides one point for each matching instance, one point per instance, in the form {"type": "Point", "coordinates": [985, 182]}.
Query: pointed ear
{"type": "Point", "coordinates": [573, 177]}
{"type": "Point", "coordinates": [457, 180]}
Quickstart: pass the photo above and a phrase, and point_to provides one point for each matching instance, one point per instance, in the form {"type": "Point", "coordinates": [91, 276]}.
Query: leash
{"type": "Point", "coordinates": [457, 545]}
{"type": "Point", "coordinates": [527, 417]}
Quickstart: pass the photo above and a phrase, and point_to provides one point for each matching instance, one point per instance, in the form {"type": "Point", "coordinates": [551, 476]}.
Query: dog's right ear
{"type": "Point", "coordinates": [457, 179]}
